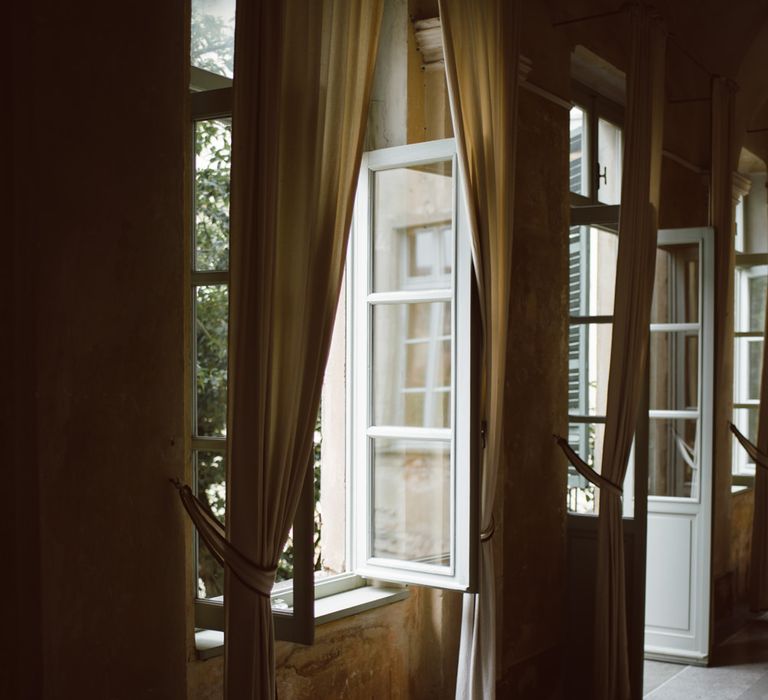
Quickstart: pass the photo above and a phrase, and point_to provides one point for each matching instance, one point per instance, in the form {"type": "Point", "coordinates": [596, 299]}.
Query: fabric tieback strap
{"type": "Point", "coordinates": [486, 534]}
{"type": "Point", "coordinates": [752, 451]}
{"type": "Point", "coordinates": [257, 578]}
{"type": "Point", "coordinates": [586, 471]}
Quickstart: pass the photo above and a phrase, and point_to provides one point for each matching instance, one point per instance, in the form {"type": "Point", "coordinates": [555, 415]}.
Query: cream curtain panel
{"type": "Point", "coordinates": [758, 569]}
{"type": "Point", "coordinates": [303, 74]}
{"type": "Point", "coordinates": [635, 268]}
{"type": "Point", "coordinates": [481, 43]}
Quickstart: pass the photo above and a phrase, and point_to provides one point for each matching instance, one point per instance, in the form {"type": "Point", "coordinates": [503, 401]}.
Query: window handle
{"type": "Point", "coordinates": [602, 175]}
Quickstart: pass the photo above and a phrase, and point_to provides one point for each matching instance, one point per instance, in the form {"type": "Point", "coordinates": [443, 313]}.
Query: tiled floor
{"type": "Point", "coordinates": [739, 671]}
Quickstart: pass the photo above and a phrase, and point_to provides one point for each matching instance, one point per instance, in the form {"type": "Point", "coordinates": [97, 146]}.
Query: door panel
{"type": "Point", "coordinates": [680, 449]}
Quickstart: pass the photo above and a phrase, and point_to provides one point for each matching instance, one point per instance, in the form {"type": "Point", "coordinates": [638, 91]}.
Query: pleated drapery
{"type": "Point", "coordinates": [635, 268]}
{"type": "Point", "coordinates": [481, 43]}
{"type": "Point", "coordinates": [303, 74]}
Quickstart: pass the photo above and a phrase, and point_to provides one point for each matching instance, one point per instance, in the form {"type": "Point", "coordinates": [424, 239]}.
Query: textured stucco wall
{"type": "Point", "coordinates": [405, 650]}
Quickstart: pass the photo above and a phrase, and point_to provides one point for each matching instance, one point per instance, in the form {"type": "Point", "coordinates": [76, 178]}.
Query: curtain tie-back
{"type": "Point", "coordinates": [606, 485]}
{"type": "Point", "coordinates": [751, 449]}
{"type": "Point", "coordinates": [486, 534]}
{"type": "Point", "coordinates": [257, 578]}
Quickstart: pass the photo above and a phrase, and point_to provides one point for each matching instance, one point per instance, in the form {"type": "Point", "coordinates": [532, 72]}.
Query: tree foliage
{"type": "Point", "coordinates": [211, 201]}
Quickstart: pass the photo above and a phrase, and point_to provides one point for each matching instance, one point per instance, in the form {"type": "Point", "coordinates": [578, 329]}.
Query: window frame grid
{"type": "Point", "coordinates": [463, 531]}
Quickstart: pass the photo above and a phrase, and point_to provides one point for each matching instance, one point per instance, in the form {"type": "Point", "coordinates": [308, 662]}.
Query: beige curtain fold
{"type": "Point", "coordinates": [481, 43]}
{"type": "Point", "coordinates": [635, 269]}
{"type": "Point", "coordinates": [303, 74]}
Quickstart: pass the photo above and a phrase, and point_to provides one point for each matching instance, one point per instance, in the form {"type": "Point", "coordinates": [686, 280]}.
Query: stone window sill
{"type": "Point", "coordinates": [210, 643]}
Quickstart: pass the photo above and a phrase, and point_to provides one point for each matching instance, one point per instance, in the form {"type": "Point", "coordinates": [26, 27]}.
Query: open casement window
{"type": "Point", "coordinates": [593, 249]}
{"type": "Point", "coordinates": [389, 495]}
{"type": "Point", "coordinates": [411, 412]}
{"type": "Point", "coordinates": [595, 183]}
{"type": "Point", "coordinates": [596, 149]}
{"type": "Point", "coordinates": [751, 280]}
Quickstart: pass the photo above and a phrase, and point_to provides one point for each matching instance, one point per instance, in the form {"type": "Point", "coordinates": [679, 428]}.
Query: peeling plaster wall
{"type": "Point", "coordinates": [405, 650]}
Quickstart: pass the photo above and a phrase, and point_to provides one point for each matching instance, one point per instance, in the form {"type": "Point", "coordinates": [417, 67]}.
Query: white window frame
{"type": "Point", "coordinates": [459, 575]}
{"type": "Point", "coordinates": [309, 601]}
{"type": "Point", "coordinates": [742, 466]}
{"type": "Point", "coordinates": [595, 107]}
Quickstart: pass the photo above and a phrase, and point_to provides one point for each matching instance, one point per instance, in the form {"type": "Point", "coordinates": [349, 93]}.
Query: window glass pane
{"type": "Point", "coordinates": [213, 139]}
{"type": "Point", "coordinates": [578, 163]}
{"type": "Point", "coordinates": [609, 157]}
{"type": "Point", "coordinates": [673, 457]}
{"type": "Point", "coordinates": [413, 239]}
{"type": "Point", "coordinates": [330, 456]}
{"type": "Point", "coordinates": [746, 420]}
{"type": "Point", "coordinates": [210, 482]}
{"type": "Point", "coordinates": [213, 36]}
{"type": "Point", "coordinates": [411, 368]}
{"type": "Point", "coordinates": [756, 285]}
{"type": "Point", "coordinates": [676, 285]}
{"type": "Point", "coordinates": [587, 441]}
{"type": "Point", "coordinates": [412, 501]}
{"type": "Point", "coordinates": [674, 363]}
{"type": "Point", "coordinates": [592, 271]}
{"type": "Point", "coordinates": [754, 368]}
{"type": "Point", "coordinates": [588, 367]}
{"type": "Point", "coordinates": [211, 308]}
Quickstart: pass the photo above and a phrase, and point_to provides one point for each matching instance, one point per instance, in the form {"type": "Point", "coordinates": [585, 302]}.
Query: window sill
{"type": "Point", "coordinates": [210, 643]}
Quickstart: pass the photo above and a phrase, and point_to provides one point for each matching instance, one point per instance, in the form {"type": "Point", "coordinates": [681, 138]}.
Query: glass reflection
{"type": "Point", "coordinates": [673, 457]}
{"type": "Point", "coordinates": [412, 364]}
{"type": "Point", "coordinates": [413, 228]}
{"type": "Point", "coordinates": [411, 501]}
{"type": "Point", "coordinates": [674, 370]}
{"type": "Point", "coordinates": [676, 285]}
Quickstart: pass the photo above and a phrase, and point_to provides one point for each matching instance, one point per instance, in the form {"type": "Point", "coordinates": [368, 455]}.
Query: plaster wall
{"type": "Point", "coordinates": [98, 232]}
{"type": "Point", "coordinates": [534, 473]}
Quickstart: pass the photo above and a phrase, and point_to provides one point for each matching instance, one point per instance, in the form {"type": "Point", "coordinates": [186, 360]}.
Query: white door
{"type": "Point", "coordinates": [680, 448]}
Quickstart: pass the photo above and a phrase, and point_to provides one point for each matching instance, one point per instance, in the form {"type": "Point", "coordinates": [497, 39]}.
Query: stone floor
{"type": "Point", "coordinates": [739, 671]}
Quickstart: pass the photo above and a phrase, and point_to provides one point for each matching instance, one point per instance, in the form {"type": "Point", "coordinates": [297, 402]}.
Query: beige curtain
{"type": "Point", "coordinates": [635, 269]}
{"type": "Point", "coordinates": [303, 73]}
{"type": "Point", "coordinates": [481, 42]}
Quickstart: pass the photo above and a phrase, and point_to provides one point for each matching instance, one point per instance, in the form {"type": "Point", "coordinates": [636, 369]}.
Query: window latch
{"type": "Point", "coordinates": [602, 175]}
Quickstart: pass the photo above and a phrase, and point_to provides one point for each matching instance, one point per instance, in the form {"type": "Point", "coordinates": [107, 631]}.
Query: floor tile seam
{"type": "Point", "coordinates": [669, 680]}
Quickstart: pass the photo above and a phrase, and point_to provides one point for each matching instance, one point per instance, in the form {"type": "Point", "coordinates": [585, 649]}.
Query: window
{"type": "Point", "coordinates": [749, 292]}
{"type": "Point", "coordinates": [592, 277]}
{"type": "Point", "coordinates": [392, 487]}
{"type": "Point", "coordinates": [751, 279]}
{"type": "Point", "coordinates": [595, 184]}
{"type": "Point", "coordinates": [411, 275]}
{"type": "Point", "coordinates": [596, 149]}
